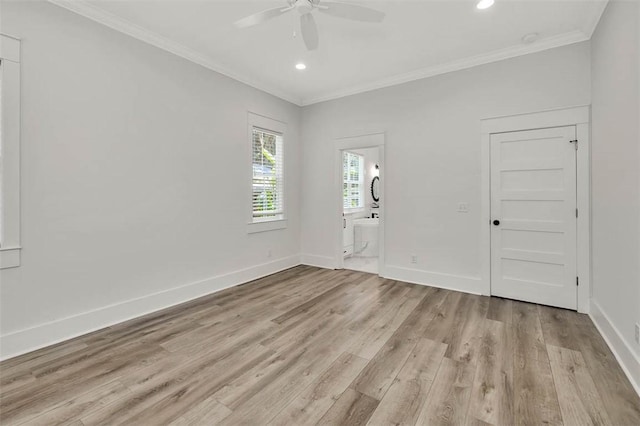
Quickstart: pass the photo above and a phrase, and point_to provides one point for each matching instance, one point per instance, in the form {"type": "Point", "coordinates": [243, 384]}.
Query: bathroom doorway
{"type": "Point", "coordinates": [361, 215]}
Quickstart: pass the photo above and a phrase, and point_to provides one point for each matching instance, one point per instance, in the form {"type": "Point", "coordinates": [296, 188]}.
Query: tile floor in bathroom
{"type": "Point", "coordinates": [363, 264]}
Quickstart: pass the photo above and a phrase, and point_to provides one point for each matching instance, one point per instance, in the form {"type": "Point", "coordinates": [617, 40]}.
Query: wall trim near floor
{"type": "Point", "coordinates": [461, 283]}
{"type": "Point", "coordinates": [30, 339]}
{"type": "Point", "coordinates": [628, 360]}
{"type": "Point", "coordinates": [318, 261]}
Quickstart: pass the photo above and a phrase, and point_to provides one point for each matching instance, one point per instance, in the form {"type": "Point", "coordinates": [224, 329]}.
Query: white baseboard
{"type": "Point", "coordinates": [30, 339]}
{"type": "Point", "coordinates": [437, 279]}
{"type": "Point", "coordinates": [319, 261]}
{"type": "Point", "coordinates": [628, 360]}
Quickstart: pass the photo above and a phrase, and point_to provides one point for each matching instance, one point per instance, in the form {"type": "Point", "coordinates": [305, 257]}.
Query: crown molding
{"type": "Point", "coordinates": [591, 26]}
{"type": "Point", "coordinates": [114, 22]}
{"type": "Point", "coordinates": [470, 62]}
{"type": "Point", "coordinates": [83, 8]}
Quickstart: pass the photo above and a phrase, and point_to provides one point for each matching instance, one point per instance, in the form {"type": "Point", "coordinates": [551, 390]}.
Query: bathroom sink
{"type": "Point", "coordinates": [366, 221]}
{"type": "Point", "coordinates": [365, 237]}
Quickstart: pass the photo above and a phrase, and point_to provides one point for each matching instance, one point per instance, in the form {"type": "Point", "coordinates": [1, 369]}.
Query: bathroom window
{"type": "Point", "coordinates": [352, 181]}
{"type": "Point", "coordinates": [267, 184]}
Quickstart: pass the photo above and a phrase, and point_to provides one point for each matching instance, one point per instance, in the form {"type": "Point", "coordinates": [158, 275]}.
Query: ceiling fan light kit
{"type": "Point", "coordinates": [484, 4]}
{"type": "Point", "coordinates": [306, 9]}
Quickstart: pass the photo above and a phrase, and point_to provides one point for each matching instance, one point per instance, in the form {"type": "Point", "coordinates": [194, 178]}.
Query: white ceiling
{"type": "Point", "coordinates": [418, 38]}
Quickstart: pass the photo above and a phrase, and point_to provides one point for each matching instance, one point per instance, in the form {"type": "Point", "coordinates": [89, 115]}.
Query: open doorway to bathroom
{"type": "Point", "coordinates": [360, 203]}
{"type": "Point", "coordinates": [361, 208]}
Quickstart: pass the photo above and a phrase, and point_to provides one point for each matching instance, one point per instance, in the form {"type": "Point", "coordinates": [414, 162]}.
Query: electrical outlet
{"type": "Point", "coordinates": [638, 334]}
{"type": "Point", "coordinates": [414, 258]}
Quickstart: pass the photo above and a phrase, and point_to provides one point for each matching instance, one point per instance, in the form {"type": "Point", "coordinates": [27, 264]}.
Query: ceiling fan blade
{"type": "Point", "coordinates": [309, 31]}
{"type": "Point", "coordinates": [260, 17]}
{"type": "Point", "coordinates": [351, 11]}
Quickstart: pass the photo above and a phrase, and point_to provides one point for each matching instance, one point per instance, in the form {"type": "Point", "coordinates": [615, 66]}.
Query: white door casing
{"type": "Point", "coordinates": [351, 143]}
{"type": "Point", "coordinates": [533, 196]}
{"type": "Point", "coordinates": [347, 234]}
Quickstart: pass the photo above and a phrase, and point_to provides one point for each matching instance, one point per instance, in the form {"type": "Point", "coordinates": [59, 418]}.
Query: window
{"type": "Point", "coordinates": [9, 152]}
{"type": "Point", "coordinates": [267, 182]}
{"type": "Point", "coordinates": [352, 181]}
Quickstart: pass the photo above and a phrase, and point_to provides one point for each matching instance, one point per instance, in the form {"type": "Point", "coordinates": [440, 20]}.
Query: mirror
{"type": "Point", "coordinates": [375, 189]}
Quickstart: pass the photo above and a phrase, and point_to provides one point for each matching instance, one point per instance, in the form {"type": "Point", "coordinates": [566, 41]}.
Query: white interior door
{"type": "Point", "coordinates": [533, 214]}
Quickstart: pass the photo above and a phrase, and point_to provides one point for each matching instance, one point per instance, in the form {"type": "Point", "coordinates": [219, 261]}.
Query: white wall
{"type": "Point", "coordinates": [616, 170]}
{"type": "Point", "coordinates": [432, 158]}
{"type": "Point", "coordinates": [136, 179]}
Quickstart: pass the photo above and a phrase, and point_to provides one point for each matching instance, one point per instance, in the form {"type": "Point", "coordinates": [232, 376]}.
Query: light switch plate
{"type": "Point", "coordinates": [463, 207]}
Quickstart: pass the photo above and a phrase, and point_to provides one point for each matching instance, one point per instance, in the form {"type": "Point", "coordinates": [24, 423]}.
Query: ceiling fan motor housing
{"type": "Point", "coordinates": [304, 6]}
{"type": "Point", "coordinates": [308, 26]}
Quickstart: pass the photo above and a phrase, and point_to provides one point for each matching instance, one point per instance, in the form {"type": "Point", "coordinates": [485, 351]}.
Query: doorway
{"type": "Point", "coordinates": [360, 199]}
{"type": "Point", "coordinates": [533, 216]}
{"type": "Point", "coordinates": [536, 207]}
{"type": "Point", "coordinates": [361, 208]}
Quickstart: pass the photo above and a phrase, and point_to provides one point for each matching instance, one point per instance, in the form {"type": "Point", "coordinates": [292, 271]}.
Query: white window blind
{"type": "Point", "coordinates": [268, 175]}
{"type": "Point", "coordinates": [352, 181]}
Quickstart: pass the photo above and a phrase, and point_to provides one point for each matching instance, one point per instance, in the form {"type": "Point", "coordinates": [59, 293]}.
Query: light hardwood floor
{"type": "Point", "coordinates": [314, 346]}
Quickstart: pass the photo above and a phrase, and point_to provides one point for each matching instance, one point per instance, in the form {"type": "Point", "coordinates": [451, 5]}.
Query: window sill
{"type": "Point", "coordinates": [9, 257]}
{"type": "Point", "coordinates": [272, 225]}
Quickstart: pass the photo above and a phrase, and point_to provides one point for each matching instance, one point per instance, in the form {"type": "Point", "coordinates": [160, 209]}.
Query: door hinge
{"type": "Point", "coordinates": [576, 212]}
{"type": "Point", "coordinates": [575, 141]}
{"type": "Point", "coordinates": [577, 281]}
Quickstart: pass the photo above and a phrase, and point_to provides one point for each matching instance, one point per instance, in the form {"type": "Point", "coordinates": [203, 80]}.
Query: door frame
{"type": "Point", "coordinates": [349, 143]}
{"type": "Point", "coordinates": [578, 116]}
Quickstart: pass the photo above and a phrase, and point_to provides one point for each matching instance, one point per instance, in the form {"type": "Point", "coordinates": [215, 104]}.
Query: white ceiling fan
{"type": "Point", "coordinates": [307, 22]}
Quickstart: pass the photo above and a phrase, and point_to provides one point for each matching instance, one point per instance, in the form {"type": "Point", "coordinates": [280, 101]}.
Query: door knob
{"type": "Point", "coordinates": [496, 222]}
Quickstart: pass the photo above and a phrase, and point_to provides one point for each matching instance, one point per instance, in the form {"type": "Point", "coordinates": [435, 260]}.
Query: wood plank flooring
{"type": "Point", "coordinates": [313, 346]}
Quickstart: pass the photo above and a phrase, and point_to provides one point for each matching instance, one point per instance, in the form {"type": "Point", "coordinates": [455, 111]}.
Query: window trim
{"type": "Point", "coordinates": [10, 68]}
{"type": "Point", "coordinates": [363, 185]}
{"type": "Point", "coordinates": [271, 125]}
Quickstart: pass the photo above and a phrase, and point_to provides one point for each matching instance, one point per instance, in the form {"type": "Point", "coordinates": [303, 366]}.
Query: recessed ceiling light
{"type": "Point", "coordinates": [300, 66]}
{"type": "Point", "coordinates": [484, 4]}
